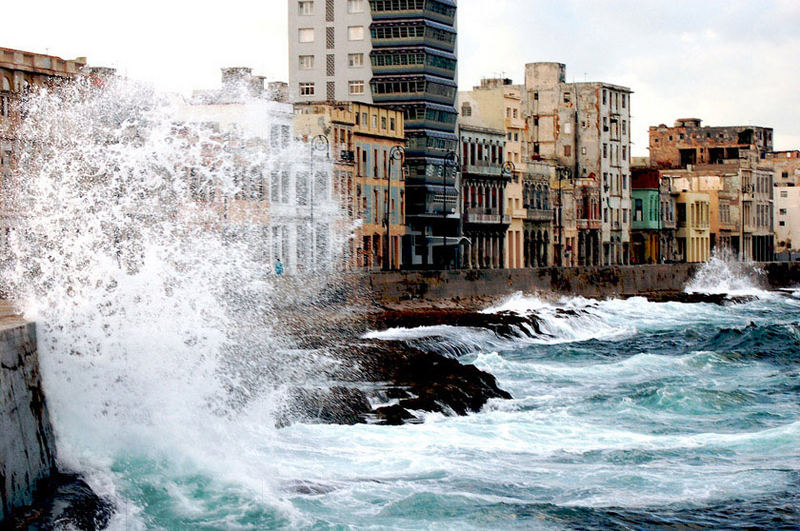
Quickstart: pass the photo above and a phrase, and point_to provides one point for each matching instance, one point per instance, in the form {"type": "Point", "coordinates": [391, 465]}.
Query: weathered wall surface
{"type": "Point", "coordinates": [598, 282]}
{"type": "Point", "coordinates": [27, 448]}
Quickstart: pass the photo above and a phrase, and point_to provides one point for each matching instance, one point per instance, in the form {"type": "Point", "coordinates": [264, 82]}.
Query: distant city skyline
{"type": "Point", "coordinates": [728, 63]}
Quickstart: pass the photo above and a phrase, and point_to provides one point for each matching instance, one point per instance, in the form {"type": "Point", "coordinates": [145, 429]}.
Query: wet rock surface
{"type": "Point", "coordinates": [720, 299]}
{"type": "Point", "coordinates": [64, 501]}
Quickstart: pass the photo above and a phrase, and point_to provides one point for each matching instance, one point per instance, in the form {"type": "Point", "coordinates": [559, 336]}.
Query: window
{"type": "Point", "coordinates": [782, 212]}
{"type": "Point", "coordinates": [306, 89]}
{"type": "Point", "coordinates": [515, 113]}
{"type": "Point", "coordinates": [355, 60]}
{"type": "Point", "coordinates": [567, 97]}
{"type": "Point", "coordinates": [355, 33]}
{"type": "Point", "coordinates": [306, 62]}
{"type": "Point", "coordinates": [392, 125]}
{"type": "Point", "coordinates": [355, 6]}
{"type": "Point", "coordinates": [466, 110]}
{"type": "Point", "coordinates": [374, 121]}
{"type": "Point", "coordinates": [306, 34]}
{"type": "Point", "coordinates": [567, 151]}
{"type": "Point", "coordinates": [605, 151]}
{"type": "Point", "coordinates": [356, 88]}
{"type": "Point", "coordinates": [305, 7]}
{"type": "Point", "coordinates": [605, 96]}
{"type": "Point", "coordinates": [784, 194]}
{"type": "Point", "coordinates": [782, 223]}
{"type": "Point", "coordinates": [383, 122]}
{"type": "Point", "coordinates": [516, 137]}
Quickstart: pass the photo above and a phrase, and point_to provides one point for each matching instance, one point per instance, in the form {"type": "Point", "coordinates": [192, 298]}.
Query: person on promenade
{"type": "Point", "coordinates": [278, 267]}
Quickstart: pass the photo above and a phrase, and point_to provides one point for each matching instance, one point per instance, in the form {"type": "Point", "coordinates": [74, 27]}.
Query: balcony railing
{"type": "Point", "coordinates": [540, 214]}
{"type": "Point", "coordinates": [486, 216]}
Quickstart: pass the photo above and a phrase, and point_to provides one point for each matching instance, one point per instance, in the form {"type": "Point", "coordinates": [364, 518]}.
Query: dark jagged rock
{"type": "Point", "coordinates": [336, 405]}
{"type": "Point", "coordinates": [64, 501]}
{"type": "Point", "coordinates": [426, 381]}
{"type": "Point", "coordinates": [504, 324]}
{"type": "Point", "coordinates": [719, 299]}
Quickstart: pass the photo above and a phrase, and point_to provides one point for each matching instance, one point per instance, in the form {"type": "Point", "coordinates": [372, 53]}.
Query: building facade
{"type": "Point", "coordinates": [19, 72]}
{"type": "Point", "coordinates": [730, 164]}
{"type": "Point", "coordinates": [585, 129]}
{"type": "Point", "coordinates": [378, 136]}
{"type": "Point", "coordinates": [483, 182]}
{"type": "Point", "coordinates": [787, 219]}
{"type": "Point", "coordinates": [290, 203]}
{"type": "Point", "coordinates": [693, 237]}
{"type": "Point", "coordinates": [497, 103]}
{"type": "Point", "coordinates": [329, 47]}
{"type": "Point", "coordinates": [400, 55]}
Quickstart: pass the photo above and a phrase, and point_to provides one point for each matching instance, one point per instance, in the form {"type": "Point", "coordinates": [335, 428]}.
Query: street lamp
{"type": "Point", "coordinates": [451, 160]}
{"type": "Point", "coordinates": [318, 143]}
{"type": "Point", "coordinates": [395, 154]}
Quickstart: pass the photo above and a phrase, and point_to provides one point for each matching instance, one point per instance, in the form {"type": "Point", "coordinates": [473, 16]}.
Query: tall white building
{"type": "Point", "coordinates": [329, 46]}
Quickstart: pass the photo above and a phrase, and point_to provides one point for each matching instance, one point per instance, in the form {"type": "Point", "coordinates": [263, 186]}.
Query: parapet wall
{"type": "Point", "coordinates": [596, 282]}
{"type": "Point", "coordinates": [27, 449]}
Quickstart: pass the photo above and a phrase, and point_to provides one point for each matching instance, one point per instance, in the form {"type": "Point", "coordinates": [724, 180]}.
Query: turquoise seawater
{"type": "Point", "coordinates": [626, 414]}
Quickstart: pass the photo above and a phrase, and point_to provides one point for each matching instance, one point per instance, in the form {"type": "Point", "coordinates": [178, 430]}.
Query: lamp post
{"type": "Point", "coordinates": [395, 154]}
{"type": "Point", "coordinates": [318, 143]}
{"type": "Point", "coordinates": [451, 161]}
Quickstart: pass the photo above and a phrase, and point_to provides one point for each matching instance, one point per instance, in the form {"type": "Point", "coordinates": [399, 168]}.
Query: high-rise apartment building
{"type": "Point", "coordinates": [399, 54]}
{"type": "Point", "coordinates": [585, 129]}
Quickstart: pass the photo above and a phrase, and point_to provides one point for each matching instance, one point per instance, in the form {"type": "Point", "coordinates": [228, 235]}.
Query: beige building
{"type": "Point", "coordinates": [497, 104]}
{"type": "Point", "coordinates": [585, 129]}
{"type": "Point", "coordinates": [19, 71]}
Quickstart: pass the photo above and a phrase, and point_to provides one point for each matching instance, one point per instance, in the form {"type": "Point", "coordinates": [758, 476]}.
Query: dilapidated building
{"type": "Point", "coordinates": [585, 129]}
{"type": "Point", "coordinates": [730, 164]}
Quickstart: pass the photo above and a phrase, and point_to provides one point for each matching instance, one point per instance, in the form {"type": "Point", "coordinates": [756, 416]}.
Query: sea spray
{"type": "Point", "coordinates": [156, 313]}
{"type": "Point", "coordinates": [725, 274]}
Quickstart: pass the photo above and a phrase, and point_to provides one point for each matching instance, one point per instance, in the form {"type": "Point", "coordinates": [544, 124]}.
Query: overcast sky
{"type": "Point", "coordinates": [729, 62]}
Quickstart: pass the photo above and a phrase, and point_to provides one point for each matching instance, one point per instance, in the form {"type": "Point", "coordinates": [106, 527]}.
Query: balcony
{"type": "Point", "coordinates": [443, 11]}
{"type": "Point", "coordinates": [587, 224]}
{"type": "Point", "coordinates": [486, 216]}
{"type": "Point", "coordinates": [540, 214]}
{"type": "Point", "coordinates": [413, 61]}
{"type": "Point", "coordinates": [415, 32]}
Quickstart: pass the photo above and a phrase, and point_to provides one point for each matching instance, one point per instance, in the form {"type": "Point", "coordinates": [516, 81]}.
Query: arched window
{"type": "Point", "coordinates": [6, 84]}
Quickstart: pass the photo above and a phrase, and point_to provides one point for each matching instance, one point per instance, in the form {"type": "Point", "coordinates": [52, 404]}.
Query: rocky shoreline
{"type": "Point", "coordinates": [395, 382]}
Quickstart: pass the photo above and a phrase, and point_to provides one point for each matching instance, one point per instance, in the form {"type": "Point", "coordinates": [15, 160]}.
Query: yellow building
{"type": "Point", "coordinates": [694, 241]}
{"type": "Point", "coordinates": [378, 136]}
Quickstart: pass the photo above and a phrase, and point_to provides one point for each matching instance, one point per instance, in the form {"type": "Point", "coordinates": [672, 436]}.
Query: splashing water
{"type": "Point", "coordinates": [140, 244]}
{"type": "Point", "coordinates": [725, 274]}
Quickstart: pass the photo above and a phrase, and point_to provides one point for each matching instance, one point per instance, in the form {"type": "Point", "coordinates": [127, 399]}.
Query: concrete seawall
{"type": "Point", "coordinates": [596, 282]}
{"type": "Point", "coordinates": [27, 448]}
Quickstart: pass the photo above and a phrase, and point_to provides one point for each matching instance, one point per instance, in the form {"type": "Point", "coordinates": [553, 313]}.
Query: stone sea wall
{"type": "Point", "coordinates": [27, 447]}
{"type": "Point", "coordinates": [596, 282]}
